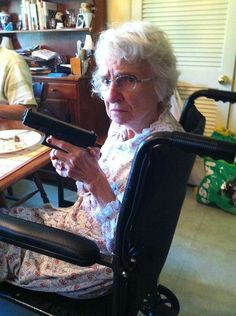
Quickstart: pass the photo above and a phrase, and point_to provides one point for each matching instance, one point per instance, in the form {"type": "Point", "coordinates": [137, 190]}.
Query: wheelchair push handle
{"type": "Point", "coordinates": [215, 94]}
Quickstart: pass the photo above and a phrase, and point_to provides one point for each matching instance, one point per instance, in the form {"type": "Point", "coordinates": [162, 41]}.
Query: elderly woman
{"type": "Point", "coordinates": [135, 76]}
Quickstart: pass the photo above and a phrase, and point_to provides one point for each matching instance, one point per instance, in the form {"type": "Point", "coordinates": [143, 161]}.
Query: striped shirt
{"type": "Point", "coordinates": [15, 79]}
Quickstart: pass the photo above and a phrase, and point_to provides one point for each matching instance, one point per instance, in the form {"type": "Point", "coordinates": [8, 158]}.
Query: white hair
{"type": "Point", "coordinates": [134, 42]}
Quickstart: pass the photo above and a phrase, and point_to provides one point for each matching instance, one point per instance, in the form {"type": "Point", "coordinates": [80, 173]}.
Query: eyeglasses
{"type": "Point", "coordinates": [122, 82]}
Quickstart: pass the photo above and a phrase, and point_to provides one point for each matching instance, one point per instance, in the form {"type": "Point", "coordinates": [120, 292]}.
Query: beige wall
{"type": "Point", "coordinates": [118, 11]}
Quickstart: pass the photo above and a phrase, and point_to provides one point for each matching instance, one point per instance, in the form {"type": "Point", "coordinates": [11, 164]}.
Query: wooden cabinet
{"type": "Point", "coordinates": [70, 100]}
{"type": "Point", "coordinates": [62, 90]}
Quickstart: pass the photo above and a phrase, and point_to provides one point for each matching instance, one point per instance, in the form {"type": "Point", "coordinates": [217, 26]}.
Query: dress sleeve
{"type": "Point", "coordinates": [107, 218]}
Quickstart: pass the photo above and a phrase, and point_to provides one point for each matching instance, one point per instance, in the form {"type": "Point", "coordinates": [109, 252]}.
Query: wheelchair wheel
{"type": "Point", "coordinates": [166, 304]}
{"type": "Point", "coordinates": [167, 301]}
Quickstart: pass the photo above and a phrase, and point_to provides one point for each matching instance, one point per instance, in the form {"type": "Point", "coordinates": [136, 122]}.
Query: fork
{"type": "Point", "coordinates": [15, 137]}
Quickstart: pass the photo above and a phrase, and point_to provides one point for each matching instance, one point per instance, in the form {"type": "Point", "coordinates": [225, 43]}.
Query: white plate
{"type": "Point", "coordinates": [26, 139]}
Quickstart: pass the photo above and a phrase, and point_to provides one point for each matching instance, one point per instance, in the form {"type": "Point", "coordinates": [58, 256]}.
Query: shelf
{"type": "Point", "coordinates": [64, 41]}
{"type": "Point", "coordinates": [47, 30]}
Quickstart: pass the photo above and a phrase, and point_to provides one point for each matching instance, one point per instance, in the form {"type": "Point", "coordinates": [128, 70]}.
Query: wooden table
{"type": "Point", "coordinates": [14, 167]}
{"type": "Point", "coordinates": [20, 165]}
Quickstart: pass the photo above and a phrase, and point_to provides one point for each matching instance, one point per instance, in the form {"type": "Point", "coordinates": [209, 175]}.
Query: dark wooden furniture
{"type": "Point", "coordinates": [70, 99]}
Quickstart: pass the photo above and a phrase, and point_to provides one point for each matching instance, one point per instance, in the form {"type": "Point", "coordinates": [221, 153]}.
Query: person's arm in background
{"type": "Point", "coordinates": [16, 88]}
{"type": "Point", "coordinates": [14, 112]}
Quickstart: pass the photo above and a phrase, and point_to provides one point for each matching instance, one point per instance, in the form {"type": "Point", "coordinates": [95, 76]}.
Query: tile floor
{"type": "Point", "coordinates": [201, 265]}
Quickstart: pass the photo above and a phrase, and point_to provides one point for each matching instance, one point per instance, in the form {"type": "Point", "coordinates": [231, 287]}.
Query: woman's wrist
{"type": "Point", "coordinates": [101, 190]}
{"type": "Point", "coordinates": [92, 185]}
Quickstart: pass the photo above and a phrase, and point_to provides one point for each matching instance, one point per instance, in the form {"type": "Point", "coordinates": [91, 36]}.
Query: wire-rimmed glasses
{"type": "Point", "coordinates": [122, 82]}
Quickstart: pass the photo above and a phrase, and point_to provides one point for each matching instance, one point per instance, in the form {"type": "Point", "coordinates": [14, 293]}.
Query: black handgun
{"type": "Point", "coordinates": [61, 130]}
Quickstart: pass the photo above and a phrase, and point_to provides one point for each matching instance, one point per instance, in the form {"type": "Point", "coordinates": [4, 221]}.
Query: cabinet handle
{"type": "Point", "coordinates": [53, 90]}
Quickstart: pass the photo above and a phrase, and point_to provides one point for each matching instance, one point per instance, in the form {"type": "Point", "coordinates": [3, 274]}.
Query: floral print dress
{"type": "Point", "coordinates": [34, 271]}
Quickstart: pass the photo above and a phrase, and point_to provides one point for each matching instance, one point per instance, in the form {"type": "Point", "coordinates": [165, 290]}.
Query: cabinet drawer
{"type": "Point", "coordinates": [61, 91]}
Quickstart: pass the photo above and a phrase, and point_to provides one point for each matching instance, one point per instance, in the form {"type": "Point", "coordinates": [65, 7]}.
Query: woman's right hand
{"type": "Point", "coordinates": [81, 164]}
{"type": "Point", "coordinates": [74, 162]}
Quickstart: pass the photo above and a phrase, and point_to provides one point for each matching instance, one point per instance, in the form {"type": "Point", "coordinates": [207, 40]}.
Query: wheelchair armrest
{"type": "Point", "coordinates": [49, 241]}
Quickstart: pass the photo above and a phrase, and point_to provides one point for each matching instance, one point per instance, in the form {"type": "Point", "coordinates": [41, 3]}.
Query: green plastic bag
{"type": "Point", "coordinates": [218, 187]}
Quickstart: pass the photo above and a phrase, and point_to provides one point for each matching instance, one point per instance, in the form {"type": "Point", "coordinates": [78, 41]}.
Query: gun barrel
{"type": "Point", "coordinates": [61, 130]}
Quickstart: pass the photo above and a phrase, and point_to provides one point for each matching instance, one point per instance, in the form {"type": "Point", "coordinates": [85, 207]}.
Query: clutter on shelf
{"type": "Point", "coordinates": [41, 15]}
{"type": "Point", "coordinates": [45, 61]}
{"type": "Point", "coordinates": [40, 70]}
{"type": "Point", "coordinates": [44, 54]}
